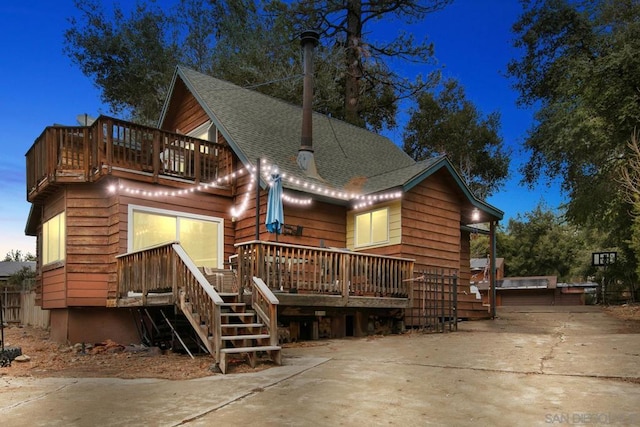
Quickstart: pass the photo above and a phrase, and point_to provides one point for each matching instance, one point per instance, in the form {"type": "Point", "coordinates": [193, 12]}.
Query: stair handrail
{"type": "Point", "coordinates": [265, 304]}
{"type": "Point", "coordinates": [188, 262]}
{"type": "Point", "coordinates": [168, 265]}
{"type": "Point", "coordinates": [214, 320]}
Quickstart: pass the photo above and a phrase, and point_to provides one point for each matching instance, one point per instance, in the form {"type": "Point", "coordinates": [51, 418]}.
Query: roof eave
{"type": "Point", "coordinates": [33, 221]}
{"type": "Point", "coordinates": [167, 100]}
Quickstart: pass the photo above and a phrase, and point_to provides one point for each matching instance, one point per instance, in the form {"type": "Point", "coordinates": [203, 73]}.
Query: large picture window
{"type": "Point", "coordinates": [372, 228]}
{"type": "Point", "coordinates": [53, 239]}
{"type": "Point", "coordinates": [200, 236]}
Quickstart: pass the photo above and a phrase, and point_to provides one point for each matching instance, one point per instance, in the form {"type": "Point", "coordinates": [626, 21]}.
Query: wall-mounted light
{"type": "Point", "coordinates": [475, 215]}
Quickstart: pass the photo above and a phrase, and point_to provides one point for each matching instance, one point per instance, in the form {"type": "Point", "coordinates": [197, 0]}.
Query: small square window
{"type": "Point", "coordinates": [372, 228]}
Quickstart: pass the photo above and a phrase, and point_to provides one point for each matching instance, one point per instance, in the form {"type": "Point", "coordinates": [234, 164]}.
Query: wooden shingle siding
{"type": "Point", "coordinates": [431, 224]}
{"type": "Point", "coordinates": [91, 245]}
{"type": "Point", "coordinates": [185, 113]}
{"type": "Point", "coordinates": [465, 258]}
{"type": "Point", "coordinates": [85, 289]}
{"type": "Point", "coordinates": [319, 221]}
{"type": "Point", "coordinates": [245, 223]}
{"type": "Point", "coordinates": [53, 288]}
{"type": "Point", "coordinates": [54, 206]}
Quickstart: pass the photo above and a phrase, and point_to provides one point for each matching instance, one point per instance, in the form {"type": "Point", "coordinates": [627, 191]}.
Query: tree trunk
{"type": "Point", "coordinates": [354, 62]}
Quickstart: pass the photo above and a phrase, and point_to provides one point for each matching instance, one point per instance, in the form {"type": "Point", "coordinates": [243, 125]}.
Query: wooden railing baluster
{"type": "Point", "coordinates": [316, 270]}
{"type": "Point", "coordinates": [81, 152]}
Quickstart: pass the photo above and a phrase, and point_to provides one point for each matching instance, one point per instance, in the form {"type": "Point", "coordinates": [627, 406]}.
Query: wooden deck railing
{"type": "Point", "coordinates": [167, 268]}
{"type": "Point", "coordinates": [82, 153]}
{"type": "Point", "coordinates": [265, 304]}
{"type": "Point", "coordinates": [305, 269]}
{"type": "Point", "coordinates": [149, 271]}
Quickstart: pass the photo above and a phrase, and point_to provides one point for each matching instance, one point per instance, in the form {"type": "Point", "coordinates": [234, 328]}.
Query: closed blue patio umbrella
{"type": "Point", "coordinates": [275, 214]}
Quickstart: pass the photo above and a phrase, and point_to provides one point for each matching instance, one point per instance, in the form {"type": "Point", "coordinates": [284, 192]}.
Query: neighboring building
{"type": "Point", "coordinates": [9, 268]}
{"type": "Point", "coordinates": [537, 290]}
{"type": "Point", "coordinates": [480, 269]}
{"type": "Point", "coordinates": [11, 295]}
{"type": "Point", "coordinates": [576, 293]}
{"type": "Point", "coordinates": [356, 229]}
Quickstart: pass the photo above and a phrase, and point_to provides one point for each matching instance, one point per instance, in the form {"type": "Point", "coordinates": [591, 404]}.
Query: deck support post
{"type": "Point", "coordinates": [492, 268]}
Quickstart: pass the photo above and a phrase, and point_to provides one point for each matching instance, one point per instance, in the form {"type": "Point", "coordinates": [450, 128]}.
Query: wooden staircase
{"type": "Point", "coordinates": [211, 302]}
{"type": "Point", "coordinates": [232, 328]}
{"type": "Point", "coordinates": [243, 333]}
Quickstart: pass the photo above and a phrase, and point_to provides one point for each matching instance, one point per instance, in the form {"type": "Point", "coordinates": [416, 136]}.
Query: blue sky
{"type": "Point", "coordinates": [40, 87]}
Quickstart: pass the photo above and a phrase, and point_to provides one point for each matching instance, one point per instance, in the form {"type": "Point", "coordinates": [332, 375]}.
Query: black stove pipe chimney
{"type": "Point", "coordinates": [309, 40]}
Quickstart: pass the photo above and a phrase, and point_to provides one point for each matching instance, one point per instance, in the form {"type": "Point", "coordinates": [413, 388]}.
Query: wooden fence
{"type": "Point", "coordinates": [19, 308]}
{"type": "Point", "coordinates": [435, 301]}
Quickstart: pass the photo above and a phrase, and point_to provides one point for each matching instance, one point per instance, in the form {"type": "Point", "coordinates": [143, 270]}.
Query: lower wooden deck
{"type": "Point", "coordinates": [319, 300]}
{"type": "Point", "coordinates": [285, 299]}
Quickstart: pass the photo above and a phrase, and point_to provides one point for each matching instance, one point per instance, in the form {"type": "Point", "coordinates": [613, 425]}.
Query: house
{"type": "Point", "coordinates": [129, 217]}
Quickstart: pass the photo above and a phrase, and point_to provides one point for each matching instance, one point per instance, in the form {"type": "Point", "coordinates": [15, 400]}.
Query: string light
{"type": "Point", "coordinates": [363, 200]}
{"type": "Point", "coordinates": [370, 200]}
{"type": "Point", "coordinates": [237, 212]}
{"type": "Point", "coordinates": [296, 201]}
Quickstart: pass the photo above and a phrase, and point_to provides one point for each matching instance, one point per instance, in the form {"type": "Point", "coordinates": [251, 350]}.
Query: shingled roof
{"type": "Point", "coordinates": [8, 268]}
{"type": "Point", "coordinates": [348, 158]}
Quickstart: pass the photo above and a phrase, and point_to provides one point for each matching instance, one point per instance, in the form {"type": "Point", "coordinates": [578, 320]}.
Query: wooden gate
{"type": "Point", "coordinates": [434, 301]}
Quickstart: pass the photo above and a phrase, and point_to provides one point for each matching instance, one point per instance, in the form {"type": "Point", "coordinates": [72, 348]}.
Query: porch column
{"type": "Point", "coordinates": [492, 267]}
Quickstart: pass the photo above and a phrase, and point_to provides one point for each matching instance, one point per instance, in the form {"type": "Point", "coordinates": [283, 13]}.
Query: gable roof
{"type": "Point", "coordinates": [348, 158]}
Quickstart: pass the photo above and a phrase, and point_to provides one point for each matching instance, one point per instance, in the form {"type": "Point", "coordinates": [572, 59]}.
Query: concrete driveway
{"type": "Point", "coordinates": [549, 366]}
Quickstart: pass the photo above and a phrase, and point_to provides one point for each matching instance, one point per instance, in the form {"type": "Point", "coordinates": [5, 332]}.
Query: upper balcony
{"type": "Point", "coordinates": [72, 154]}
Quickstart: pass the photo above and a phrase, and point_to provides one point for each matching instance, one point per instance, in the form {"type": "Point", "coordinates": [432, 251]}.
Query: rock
{"type": "Point", "coordinates": [153, 351]}
{"type": "Point", "coordinates": [22, 358]}
{"type": "Point", "coordinates": [136, 348]}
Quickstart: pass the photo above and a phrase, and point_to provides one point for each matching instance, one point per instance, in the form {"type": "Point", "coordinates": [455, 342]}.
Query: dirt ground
{"type": "Point", "coordinates": [111, 360]}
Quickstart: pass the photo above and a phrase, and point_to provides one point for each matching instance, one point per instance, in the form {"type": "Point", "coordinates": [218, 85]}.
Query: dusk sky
{"type": "Point", "coordinates": [41, 87]}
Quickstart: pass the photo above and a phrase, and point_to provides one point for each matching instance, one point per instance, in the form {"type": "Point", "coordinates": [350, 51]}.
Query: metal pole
{"type": "Point", "coordinates": [604, 278]}
{"type": "Point", "coordinates": [492, 273]}
{"type": "Point", "coordinates": [1, 324]}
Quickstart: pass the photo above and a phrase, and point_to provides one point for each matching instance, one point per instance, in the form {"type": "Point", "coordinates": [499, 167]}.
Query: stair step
{"type": "Point", "coordinates": [228, 294]}
{"type": "Point", "coordinates": [232, 314]}
{"type": "Point", "coordinates": [245, 337]}
{"type": "Point", "coordinates": [242, 325]}
{"type": "Point", "coordinates": [233, 304]}
{"type": "Point", "coordinates": [250, 349]}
